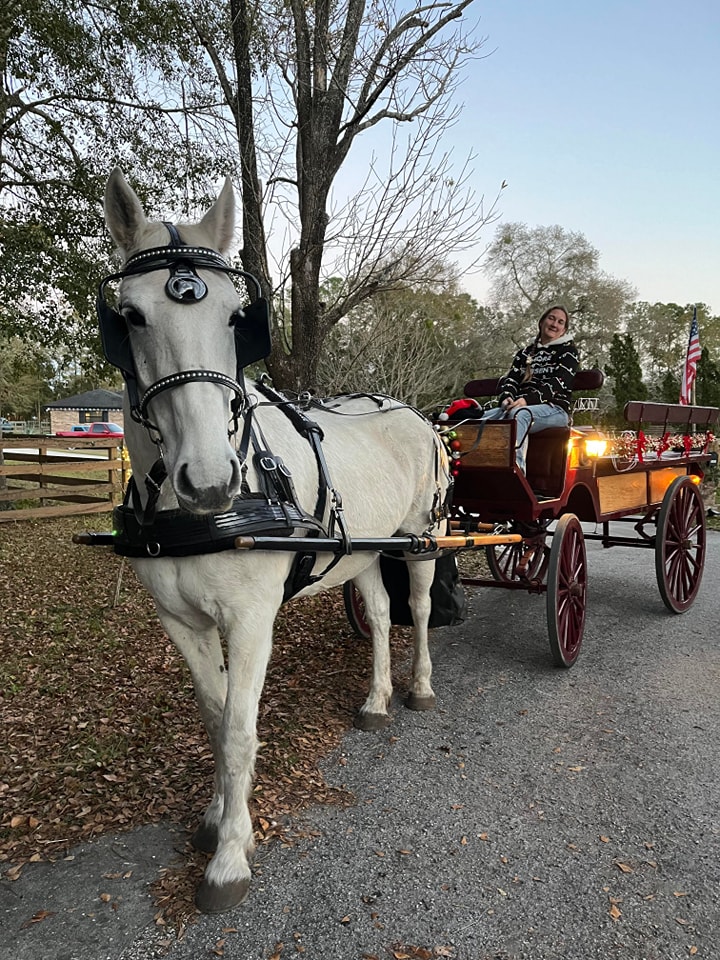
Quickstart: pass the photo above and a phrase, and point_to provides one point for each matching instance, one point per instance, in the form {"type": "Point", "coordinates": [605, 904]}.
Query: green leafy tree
{"type": "Point", "coordinates": [80, 92]}
{"type": "Point", "coordinates": [660, 332]}
{"type": "Point", "coordinates": [624, 368]}
{"type": "Point", "coordinates": [25, 371]}
{"type": "Point", "coordinates": [276, 96]}
{"type": "Point", "coordinates": [669, 388]}
{"type": "Point", "coordinates": [707, 381]}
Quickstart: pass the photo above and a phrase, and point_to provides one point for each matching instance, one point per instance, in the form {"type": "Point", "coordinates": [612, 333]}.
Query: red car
{"type": "Point", "coordinates": [98, 431]}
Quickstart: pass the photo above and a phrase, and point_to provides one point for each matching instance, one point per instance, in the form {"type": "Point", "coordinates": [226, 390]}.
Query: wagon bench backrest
{"type": "Point", "coordinates": [488, 387]}
{"type": "Point", "coordinates": [665, 414]}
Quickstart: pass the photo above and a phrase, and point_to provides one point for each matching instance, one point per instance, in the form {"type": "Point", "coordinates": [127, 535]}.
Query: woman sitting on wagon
{"type": "Point", "coordinates": [537, 389]}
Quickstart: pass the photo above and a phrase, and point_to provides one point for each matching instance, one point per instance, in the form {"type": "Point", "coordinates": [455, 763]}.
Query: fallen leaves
{"type": "Point", "coordinates": [101, 729]}
{"type": "Point", "coordinates": [409, 952]}
{"type": "Point", "coordinates": [39, 917]}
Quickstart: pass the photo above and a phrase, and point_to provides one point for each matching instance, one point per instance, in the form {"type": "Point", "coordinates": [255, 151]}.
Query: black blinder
{"type": "Point", "coordinates": [252, 333]}
{"type": "Point", "coordinates": [114, 335]}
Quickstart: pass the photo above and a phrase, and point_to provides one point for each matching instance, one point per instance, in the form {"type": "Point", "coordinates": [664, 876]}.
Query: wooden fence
{"type": "Point", "coordinates": [58, 477]}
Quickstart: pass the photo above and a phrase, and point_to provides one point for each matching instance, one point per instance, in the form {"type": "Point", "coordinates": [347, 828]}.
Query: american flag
{"type": "Point", "coordinates": [691, 361]}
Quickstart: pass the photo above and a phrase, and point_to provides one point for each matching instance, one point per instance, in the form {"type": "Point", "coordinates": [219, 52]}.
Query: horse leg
{"type": "Point", "coordinates": [373, 715]}
{"type": "Point", "coordinates": [201, 648]}
{"type": "Point", "coordinates": [227, 877]}
{"type": "Point", "coordinates": [421, 696]}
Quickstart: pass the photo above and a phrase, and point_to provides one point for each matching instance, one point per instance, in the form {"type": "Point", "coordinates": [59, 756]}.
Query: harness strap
{"type": "Point", "coordinates": [154, 479]}
{"type": "Point", "coordinates": [313, 434]}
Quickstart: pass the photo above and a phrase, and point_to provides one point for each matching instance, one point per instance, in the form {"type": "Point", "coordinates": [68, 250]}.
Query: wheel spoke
{"type": "Point", "coordinates": [515, 561]}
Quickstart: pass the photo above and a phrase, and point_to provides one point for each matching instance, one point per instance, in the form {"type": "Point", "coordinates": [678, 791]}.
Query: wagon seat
{"type": "Point", "coordinates": [547, 449]}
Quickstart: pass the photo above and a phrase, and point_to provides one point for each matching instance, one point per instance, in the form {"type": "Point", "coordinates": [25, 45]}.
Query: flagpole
{"type": "Point", "coordinates": [692, 356]}
{"type": "Point", "coordinates": [692, 392]}
{"type": "Point", "coordinates": [694, 383]}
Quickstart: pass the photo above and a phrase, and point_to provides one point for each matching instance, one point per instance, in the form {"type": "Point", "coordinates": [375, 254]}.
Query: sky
{"type": "Point", "coordinates": [604, 118]}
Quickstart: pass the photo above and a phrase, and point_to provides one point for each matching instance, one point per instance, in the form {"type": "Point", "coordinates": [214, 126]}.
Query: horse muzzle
{"type": "Point", "coordinates": [198, 493]}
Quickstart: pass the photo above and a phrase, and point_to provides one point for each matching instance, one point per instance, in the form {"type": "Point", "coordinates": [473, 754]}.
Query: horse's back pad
{"type": "Point", "coordinates": [446, 593]}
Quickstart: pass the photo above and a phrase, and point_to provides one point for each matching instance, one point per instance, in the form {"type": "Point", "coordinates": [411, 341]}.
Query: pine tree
{"type": "Point", "coordinates": [624, 368]}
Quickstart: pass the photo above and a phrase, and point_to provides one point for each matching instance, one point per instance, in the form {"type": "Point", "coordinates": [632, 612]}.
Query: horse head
{"type": "Point", "coordinates": [173, 336]}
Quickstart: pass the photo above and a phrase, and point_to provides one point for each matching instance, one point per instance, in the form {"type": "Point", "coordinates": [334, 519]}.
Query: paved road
{"type": "Point", "coordinates": [537, 814]}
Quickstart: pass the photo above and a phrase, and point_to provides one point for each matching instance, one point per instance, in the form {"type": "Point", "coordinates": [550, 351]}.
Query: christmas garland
{"type": "Point", "coordinates": [637, 445]}
{"type": "Point", "coordinates": [630, 447]}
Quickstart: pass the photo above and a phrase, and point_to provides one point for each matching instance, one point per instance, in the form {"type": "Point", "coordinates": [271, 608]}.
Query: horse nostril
{"type": "Point", "coordinates": [206, 494]}
{"type": "Point", "coordinates": [235, 482]}
{"type": "Point", "coordinates": [182, 480]}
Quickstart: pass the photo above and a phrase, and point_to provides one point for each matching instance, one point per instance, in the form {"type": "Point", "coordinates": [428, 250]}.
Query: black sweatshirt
{"type": "Point", "coordinates": [553, 368]}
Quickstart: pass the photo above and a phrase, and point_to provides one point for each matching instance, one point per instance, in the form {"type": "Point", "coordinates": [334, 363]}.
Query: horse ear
{"type": "Point", "coordinates": [219, 221]}
{"type": "Point", "coordinates": [124, 214]}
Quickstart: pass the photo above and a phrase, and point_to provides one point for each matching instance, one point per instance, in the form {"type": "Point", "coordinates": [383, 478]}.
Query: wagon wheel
{"type": "Point", "coordinates": [680, 544]}
{"type": "Point", "coordinates": [505, 559]}
{"type": "Point", "coordinates": [355, 610]}
{"type": "Point", "coordinates": [566, 591]}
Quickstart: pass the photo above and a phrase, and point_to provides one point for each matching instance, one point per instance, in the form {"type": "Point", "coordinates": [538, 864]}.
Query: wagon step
{"type": "Point", "coordinates": [456, 525]}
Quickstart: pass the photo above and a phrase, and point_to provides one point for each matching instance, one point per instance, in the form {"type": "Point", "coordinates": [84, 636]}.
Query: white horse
{"type": "Point", "coordinates": [177, 308]}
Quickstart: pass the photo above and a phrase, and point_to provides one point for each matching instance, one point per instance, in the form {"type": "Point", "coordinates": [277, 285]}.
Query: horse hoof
{"type": "Point", "coordinates": [413, 702]}
{"type": "Point", "coordinates": [211, 898]}
{"type": "Point", "coordinates": [371, 721]}
{"type": "Point", "coordinates": [205, 839]}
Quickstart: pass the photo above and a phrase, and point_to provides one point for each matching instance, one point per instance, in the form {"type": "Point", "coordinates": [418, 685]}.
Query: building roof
{"type": "Point", "coordinates": [90, 400]}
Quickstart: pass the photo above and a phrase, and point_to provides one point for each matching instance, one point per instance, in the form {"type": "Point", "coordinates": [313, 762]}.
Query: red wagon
{"type": "Point", "coordinates": [649, 488]}
{"type": "Point", "coordinates": [574, 476]}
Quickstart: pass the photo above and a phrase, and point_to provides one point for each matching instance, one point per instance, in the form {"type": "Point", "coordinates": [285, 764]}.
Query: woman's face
{"type": "Point", "coordinates": [553, 326]}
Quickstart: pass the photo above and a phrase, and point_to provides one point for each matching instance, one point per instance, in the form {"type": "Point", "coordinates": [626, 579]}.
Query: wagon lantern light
{"type": "Point", "coordinates": [591, 444]}
{"type": "Point", "coordinates": [595, 445]}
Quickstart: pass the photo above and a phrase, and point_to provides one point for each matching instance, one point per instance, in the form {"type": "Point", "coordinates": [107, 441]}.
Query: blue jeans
{"type": "Point", "coordinates": [529, 420]}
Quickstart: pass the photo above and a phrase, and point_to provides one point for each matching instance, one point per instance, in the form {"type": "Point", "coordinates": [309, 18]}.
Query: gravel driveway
{"type": "Point", "coordinates": [537, 814]}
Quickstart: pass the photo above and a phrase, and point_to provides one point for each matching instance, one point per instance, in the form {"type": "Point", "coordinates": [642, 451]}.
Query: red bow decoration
{"type": "Point", "coordinates": [641, 445]}
{"type": "Point", "coordinates": [664, 443]}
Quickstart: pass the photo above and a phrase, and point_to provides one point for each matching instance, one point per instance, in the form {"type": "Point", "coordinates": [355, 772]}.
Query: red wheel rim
{"type": "Point", "coordinates": [567, 591]}
{"type": "Point", "coordinates": [680, 545]}
{"type": "Point", "coordinates": [355, 610]}
{"type": "Point", "coordinates": [503, 561]}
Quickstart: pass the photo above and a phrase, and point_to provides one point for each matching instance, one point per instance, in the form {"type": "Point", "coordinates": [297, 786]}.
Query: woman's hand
{"type": "Point", "coordinates": [513, 404]}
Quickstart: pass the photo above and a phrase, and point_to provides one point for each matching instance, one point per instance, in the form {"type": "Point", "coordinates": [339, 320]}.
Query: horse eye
{"type": "Point", "coordinates": [133, 317]}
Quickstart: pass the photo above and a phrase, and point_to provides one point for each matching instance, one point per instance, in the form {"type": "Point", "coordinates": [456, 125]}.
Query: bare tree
{"type": "Point", "coordinates": [534, 267]}
{"type": "Point", "coordinates": [419, 344]}
{"type": "Point", "coordinates": [311, 79]}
